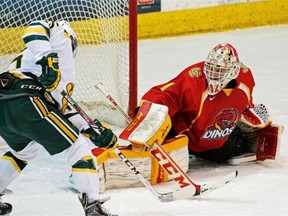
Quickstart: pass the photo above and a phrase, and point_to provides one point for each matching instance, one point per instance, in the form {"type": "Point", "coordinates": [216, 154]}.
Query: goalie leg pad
{"type": "Point", "coordinates": [269, 142]}
{"type": "Point", "coordinates": [263, 144]}
{"type": "Point", "coordinates": [114, 174]}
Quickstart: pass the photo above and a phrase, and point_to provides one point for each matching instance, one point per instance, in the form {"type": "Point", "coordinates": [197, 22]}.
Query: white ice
{"type": "Point", "coordinates": [260, 189]}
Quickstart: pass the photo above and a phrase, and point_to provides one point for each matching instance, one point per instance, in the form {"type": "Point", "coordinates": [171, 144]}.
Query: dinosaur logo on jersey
{"type": "Point", "coordinates": [195, 72]}
{"type": "Point", "coordinates": [224, 124]}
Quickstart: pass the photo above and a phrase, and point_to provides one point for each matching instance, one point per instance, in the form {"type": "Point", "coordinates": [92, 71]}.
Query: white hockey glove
{"type": "Point", "coordinates": [50, 76]}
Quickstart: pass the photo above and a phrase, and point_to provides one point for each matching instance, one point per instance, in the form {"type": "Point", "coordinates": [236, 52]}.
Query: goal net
{"type": "Point", "coordinates": [107, 52]}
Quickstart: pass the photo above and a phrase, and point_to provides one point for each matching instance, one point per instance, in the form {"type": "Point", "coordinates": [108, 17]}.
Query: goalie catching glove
{"type": "Point", "coordinates": [50, 76]}
{"type": "Point", "coordinates": [254, 119]}
{"type": "Point", "coordinates": [101, 136]}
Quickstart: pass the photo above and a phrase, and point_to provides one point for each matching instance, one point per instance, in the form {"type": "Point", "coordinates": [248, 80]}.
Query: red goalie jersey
{"type": "Point", "coordinates": [206, 119]}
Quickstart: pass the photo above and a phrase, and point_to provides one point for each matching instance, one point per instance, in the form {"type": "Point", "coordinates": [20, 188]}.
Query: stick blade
{"type": "Point", "coordinates": [208, 187]}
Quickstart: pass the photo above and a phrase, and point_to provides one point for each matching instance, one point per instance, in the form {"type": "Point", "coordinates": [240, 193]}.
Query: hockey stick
{"type": "Point", "coordinates": [163, 197]}
{"type": "Point", "coordinates": [187, 188]}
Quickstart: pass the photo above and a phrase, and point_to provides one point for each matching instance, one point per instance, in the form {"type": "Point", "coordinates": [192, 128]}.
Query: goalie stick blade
{"type": "Point", "coordinates": [190, 191]}
{"type": "Point", "coordinates": [180, 194]}
{"type": "Point", "coordinates": [208, 187]}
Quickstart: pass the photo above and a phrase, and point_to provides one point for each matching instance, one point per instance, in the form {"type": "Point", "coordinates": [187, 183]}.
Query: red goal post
{"type": "Point", "coordinates": [107, 52]}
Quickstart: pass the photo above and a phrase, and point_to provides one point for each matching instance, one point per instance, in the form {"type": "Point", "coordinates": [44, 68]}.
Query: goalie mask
{"type": "Point", "coordinates": [221, 66]}
{"type": "Point", "coordinates": [71, 34]}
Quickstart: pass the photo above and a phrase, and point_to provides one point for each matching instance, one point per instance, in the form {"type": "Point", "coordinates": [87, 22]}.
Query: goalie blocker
{"type": "Point", "coordinates": [151, 124]}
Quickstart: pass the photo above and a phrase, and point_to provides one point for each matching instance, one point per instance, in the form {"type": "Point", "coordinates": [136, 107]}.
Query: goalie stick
{"type": "Point", "coordinates": [187, 188]}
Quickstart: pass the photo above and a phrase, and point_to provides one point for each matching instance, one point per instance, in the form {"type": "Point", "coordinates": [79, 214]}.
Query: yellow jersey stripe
{"type": "Point", "coordinates": [84, 170]}
{"type": "Point", "coordinates": [35, 30]}
{"type": "Point", "coordinates": [246, 90]}
{"type": "Point", "coordinates": [40, 107]}
{"type": "Point", "coordinates": [71, 134]}
{"type": "Point", "coordinates": [13, 163]}
{"type": "Point", "coordinates": [163, 88]}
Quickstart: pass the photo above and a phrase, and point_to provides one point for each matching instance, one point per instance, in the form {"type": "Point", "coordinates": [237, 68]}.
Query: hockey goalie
{"type": "Point", "coordinates": [153, 124]}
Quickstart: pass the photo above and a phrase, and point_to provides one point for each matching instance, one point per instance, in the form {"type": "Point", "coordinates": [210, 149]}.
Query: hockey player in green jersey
{"type": "Point", "coordinates": [33, 112]}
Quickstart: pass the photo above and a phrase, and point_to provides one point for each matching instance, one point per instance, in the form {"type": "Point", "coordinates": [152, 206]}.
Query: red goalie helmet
{"type": "Point", "coordinates": [221, 66]}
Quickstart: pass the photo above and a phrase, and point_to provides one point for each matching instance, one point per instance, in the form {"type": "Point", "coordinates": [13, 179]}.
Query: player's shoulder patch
{"type": "Point", "coordinates": [195, 72]}
{"type": "Point", "coordinates": [245, 69]}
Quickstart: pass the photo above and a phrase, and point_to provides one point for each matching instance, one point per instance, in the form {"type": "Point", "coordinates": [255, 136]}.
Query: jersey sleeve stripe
{"type": "Point", "coordinates": [163, 88]}
{"type": "Point", "coordinates": [34, 37]}
{"type": "Point", "coordinates": [36, 31]}
{"type": "Point", "coordinates": [246, 90]}
{"type": "Point", "coordinates": [40, 25]}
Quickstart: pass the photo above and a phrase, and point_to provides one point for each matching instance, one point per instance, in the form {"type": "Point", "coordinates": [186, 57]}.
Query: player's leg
{"type": "Point", "coordinates": [46, 125]}
{"type": "Point", "coordinates": [13, 162]}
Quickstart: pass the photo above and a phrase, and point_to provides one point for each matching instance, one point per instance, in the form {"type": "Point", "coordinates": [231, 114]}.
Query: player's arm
{"type": "Point", "coordinates": [169, 94]}
{"type": "Point", "coordinates": [37, 38]}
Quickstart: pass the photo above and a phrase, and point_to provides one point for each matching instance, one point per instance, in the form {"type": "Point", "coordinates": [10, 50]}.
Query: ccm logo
{"type": "Point", "coordinates": [170, 168]}
{"type": "Point", "coordinates": [34, 87]}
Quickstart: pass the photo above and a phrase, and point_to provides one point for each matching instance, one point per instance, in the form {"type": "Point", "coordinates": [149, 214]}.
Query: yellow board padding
{"type": "Point", "coordinates": [11, 40]}
{"type": "Point", "coordinates": [157, 173]}
{"type": "Point", "coordinates": [212, 19]}
{"type": "Point", "coordinates": [88, 32]}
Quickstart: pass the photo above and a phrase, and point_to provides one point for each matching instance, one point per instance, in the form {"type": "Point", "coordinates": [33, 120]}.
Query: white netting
{"type": "Point", "coordinates": [102, 28]}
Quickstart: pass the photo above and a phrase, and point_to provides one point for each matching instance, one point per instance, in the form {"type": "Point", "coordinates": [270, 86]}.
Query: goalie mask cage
{"type": "Point", "coordinates": [107, 47]}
